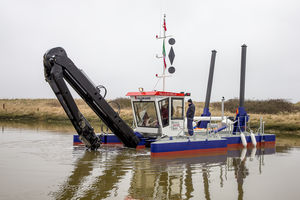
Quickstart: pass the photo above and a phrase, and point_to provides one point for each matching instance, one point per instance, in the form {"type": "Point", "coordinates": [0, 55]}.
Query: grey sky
{"type": "Point", "coordinates": [114, 43]}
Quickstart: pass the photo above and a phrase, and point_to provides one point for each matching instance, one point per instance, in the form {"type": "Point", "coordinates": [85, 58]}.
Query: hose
{"type": "Point", "coordinates": [99, 87]}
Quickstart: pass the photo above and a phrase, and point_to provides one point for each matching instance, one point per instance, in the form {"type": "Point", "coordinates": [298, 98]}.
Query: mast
{"type": "Point", "coordinates": [163, 37]}
{"type": "Point", "coordinates": [164, 54]}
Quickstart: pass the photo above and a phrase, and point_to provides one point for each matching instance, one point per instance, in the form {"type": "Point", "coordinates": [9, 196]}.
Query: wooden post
{"type": "Point", "coordinates": [3, 106]}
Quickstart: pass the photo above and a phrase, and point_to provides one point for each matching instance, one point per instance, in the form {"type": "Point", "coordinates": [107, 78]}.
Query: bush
{"type": "Point", "coordinates": [297, 106]}
{"type": "Point", "coordinates": [124, 103]}
{"type": "Point", "coordinates": [271, 106]}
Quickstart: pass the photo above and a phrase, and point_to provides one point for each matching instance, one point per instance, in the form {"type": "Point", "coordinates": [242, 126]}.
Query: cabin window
{"type": "Point", "coordinates": [164, 111]}
{"type": "Point", "coordinates": [177, 108]}
{"type": "Point", "coordinates": [145, 113]}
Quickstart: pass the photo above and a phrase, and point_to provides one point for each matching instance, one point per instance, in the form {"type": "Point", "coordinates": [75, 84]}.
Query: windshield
{"type": "Point", "coordinates": [145, 113]}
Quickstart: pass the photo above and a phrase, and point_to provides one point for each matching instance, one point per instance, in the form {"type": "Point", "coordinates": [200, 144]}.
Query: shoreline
{"type": "Point", "coordinates": [49, 111]}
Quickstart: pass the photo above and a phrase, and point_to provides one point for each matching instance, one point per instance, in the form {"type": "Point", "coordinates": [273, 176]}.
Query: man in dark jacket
{"type": "Point", "coordinates": [190, 117]}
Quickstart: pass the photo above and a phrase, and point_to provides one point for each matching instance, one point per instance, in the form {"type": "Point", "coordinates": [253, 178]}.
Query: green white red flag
{"type": "Point", "coordinates": [165, 26]}
{"type": "Point", "coordinates": [164, 54]}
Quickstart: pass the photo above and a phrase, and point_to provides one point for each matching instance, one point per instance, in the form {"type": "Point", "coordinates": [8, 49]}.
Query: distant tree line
{"type": "Point", "coordinates": [124, 103]}
{"type": "Point", "coordinates": [270, 106]}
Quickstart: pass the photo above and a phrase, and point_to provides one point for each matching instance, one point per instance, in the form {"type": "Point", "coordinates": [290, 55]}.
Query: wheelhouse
{"type": "Point", "coordinates": [158, 113]}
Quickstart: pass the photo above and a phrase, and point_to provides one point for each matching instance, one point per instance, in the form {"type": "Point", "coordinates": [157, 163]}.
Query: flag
{"type": "Point", "coordinates": [164, 50]}
{"type": "Point", "coordinates": [164, 54]}
{"type": "Point", "coordinates": [165, 26]}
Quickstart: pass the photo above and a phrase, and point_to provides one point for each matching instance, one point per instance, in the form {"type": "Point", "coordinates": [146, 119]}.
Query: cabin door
{"type": "Point", "coordinates": [171, 115]}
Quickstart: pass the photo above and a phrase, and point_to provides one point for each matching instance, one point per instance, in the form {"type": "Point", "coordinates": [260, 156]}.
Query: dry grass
{"type": "Point", "coordinates": [38, 109]}
{"type": "Point", "coordinates": [287, 142]}
{"type": "Point", "coordinates": [270, 106]}
{"type": "Point", "coordinates": [41, 109]}
{"type": "Point", "coordinates": [50, 110]}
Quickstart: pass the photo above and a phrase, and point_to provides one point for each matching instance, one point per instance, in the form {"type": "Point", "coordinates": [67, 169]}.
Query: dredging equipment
{"type": "Point", "coordinates": [206, 113]}
{"type": "Point", "coordinates": [241, 115]}
{"type": "Point", "coordinates": [58, 68]}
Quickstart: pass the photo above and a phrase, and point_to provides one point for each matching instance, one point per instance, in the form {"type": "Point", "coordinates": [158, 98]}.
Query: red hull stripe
{"type": "Point", "coordinates": [196, 151]}
{"type": "Point", "coordinates": [250, 144]}
{"type": "Point", "coordinates": [77, 143]}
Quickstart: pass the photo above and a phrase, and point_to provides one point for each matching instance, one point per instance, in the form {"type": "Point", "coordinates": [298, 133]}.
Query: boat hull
{"type": "Point", "coordinates": [234, 141]}
{"type": "Point", "coordinates": [190, 146]}
{"type": "Point", "coordinates": [182, 147]}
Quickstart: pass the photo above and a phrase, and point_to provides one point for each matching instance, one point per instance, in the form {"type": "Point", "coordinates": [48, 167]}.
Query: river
{"type": "Point", "coordinates": [43, 164]}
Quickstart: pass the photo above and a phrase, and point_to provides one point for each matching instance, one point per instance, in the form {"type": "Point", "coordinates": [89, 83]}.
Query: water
{"type": "Point", "coordinates": [38, 164]}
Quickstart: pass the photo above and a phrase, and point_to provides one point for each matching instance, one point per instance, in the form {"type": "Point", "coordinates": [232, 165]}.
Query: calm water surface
{"type": "Point", "coordinates": [38, 164]}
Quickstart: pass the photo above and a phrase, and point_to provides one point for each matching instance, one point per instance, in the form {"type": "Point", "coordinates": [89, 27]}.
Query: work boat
{"type": "Point", "coordinates": [159, 119]}
{"type": "Point", "coordinates": [160, 122]}
{"type": "Point", "coordinates": [160, 115]}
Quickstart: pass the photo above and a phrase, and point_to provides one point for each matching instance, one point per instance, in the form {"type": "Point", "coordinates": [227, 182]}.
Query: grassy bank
{"type": "Point", "coordinates": [281, 117]}
{"type": "Point", "coordinates": [48, 111]}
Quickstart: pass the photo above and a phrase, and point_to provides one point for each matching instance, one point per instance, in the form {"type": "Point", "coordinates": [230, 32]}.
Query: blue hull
{"type": "Point", "coordinates": [177, 147]}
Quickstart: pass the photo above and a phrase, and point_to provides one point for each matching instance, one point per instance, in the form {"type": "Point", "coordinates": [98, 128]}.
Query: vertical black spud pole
{"type": "Point", "coordinates": [210, 78]}
{"type": "Point", "coordinates": [241, 116]}
{"type": "Point", "coordinates": [243, 75]}
{"type": "Point", "coordinates": [206, 113]}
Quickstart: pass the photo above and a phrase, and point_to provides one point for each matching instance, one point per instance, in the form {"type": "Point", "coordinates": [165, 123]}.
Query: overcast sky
{"type": "Point", "coordinates": [114, 43]}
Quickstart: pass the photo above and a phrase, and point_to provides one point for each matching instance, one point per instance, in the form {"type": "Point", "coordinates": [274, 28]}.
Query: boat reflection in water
{"type": "Point", "coordinates": [116, 172]}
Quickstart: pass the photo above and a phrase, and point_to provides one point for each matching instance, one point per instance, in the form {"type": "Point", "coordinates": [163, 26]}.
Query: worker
{"type": "Point", "coordinates": [146, 119]}
{"type": "Point", "coordinates": [190, 117]}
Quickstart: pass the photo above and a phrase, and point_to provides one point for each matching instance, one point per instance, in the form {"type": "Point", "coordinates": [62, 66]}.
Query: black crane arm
{"type": "Point", "coordinates": [58, 68]}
